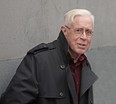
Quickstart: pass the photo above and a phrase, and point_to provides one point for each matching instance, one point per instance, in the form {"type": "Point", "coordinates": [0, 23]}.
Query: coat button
{"type": "Point", "coordinates": [91, 102]}
{"type": "Point", "coordinates": [62, 67]}
{"type": "Point", "coordinates": [61, 94]}
{"type": "Point", "coordinates": [44, 46]}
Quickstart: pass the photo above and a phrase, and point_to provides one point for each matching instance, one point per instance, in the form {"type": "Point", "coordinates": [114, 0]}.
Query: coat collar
{"type": "Point", "coordinates": [63, 49]}
{"type": "Point", "coordinates": [88, 77]}
{"type": "Point", "coordinates": [62, 43]}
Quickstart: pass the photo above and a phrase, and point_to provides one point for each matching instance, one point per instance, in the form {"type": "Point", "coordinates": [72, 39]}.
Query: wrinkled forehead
{"type": "Point", "coordinates": [83, 21]}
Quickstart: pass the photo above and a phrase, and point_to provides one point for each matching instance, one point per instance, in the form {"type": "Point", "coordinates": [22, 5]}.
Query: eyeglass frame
{"type": "Point", "coordinates": [88, 32]}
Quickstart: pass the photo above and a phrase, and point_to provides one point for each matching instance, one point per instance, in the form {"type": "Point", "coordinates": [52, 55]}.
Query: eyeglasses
{"type": "Point", "coordinates": [80, 31]}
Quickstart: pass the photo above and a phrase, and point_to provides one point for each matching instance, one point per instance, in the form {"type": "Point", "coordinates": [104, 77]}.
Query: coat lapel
{"type": "Point", "coordinates": [71, 86]}
{"type": "Point", "coordinates": [88, 77]}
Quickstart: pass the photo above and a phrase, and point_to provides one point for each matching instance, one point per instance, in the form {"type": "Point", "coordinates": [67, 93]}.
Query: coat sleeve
{"type": "Point", "coordinates": [23, 88]}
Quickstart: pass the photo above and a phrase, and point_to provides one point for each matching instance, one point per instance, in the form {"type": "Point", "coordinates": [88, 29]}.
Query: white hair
{"type": "Point", "coordinates": [70, 15]}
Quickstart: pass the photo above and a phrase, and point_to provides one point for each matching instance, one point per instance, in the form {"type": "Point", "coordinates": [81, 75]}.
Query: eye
{"type": "Point", "coordinates": [88, 31]}
{"type": "Point", "coordinates": [79, 30]}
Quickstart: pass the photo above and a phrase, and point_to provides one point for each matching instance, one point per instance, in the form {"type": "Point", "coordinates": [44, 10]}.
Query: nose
{"type": "Point", "coordinates": [83, 35]}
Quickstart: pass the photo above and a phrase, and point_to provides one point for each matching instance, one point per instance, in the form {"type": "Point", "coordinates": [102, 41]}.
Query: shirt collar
{"type": "Point", "coordinates": [82, 58]}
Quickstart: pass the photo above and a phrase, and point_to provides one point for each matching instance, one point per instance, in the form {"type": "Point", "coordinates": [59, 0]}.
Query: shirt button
{"type": "Point", "coordinates": [61, 94]}
{"type": "Point", "coordinates": [77, 83]}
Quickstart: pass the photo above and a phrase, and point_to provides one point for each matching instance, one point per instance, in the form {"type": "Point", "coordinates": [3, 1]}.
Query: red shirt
{"type": "Point", "coordinates": [76, 67]}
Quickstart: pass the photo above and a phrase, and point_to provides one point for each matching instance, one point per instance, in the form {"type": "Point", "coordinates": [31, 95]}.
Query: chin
{"type": "Point", "coordinates": [81, 51]}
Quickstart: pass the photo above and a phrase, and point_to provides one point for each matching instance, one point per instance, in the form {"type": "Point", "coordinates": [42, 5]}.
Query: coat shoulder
{"type": "Point", "coordinates": [41, 48]}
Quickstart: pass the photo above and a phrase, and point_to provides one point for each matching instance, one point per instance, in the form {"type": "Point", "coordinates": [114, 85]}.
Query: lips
{"type": "Point", "coordinates": [81, 45]}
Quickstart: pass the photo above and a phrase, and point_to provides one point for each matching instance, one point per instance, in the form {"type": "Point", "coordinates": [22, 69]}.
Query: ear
{"type": "Point", "coordinates": [63, 29]}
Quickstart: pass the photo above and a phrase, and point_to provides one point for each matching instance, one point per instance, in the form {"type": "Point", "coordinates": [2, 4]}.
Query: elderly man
{"type": "Point", "coordinates": [57, 72]}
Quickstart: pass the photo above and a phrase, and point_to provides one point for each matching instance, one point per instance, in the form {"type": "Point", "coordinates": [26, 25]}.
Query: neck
{"type": "Point", "coordinates": [74, 55]}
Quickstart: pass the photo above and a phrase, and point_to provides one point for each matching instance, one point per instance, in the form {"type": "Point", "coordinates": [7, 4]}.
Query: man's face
{"type": "Point", "coordinates": [79, 35]}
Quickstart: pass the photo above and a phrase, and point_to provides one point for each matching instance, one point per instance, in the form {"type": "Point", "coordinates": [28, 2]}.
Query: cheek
{"type": "Point", "coordinates": [73, 42]}
{"type": "Point", "coordinates": [89, 42]}
{"type": "Point", "coordinates": [70, 40]}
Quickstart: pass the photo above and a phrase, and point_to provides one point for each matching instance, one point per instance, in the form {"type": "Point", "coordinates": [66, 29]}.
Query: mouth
{"type": "Point", "coordinates": [81, 45]}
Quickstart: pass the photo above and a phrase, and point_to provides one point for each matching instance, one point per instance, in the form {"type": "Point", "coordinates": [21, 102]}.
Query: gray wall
{"type": "Point", "coordinates": [26, 23]}
{"type": "Point", "coordinates": [103, 61]}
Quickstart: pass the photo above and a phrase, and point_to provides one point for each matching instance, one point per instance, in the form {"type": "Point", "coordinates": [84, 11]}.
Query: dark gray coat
{"type": "Point", "coordinates": [44, 77]}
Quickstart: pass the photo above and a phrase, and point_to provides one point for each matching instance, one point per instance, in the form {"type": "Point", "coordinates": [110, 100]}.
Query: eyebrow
{"type": "Point", "coordinates": [67, 27]}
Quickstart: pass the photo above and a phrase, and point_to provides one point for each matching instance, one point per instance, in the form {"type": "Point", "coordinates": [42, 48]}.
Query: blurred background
{"type": "Point", "coordinates": [26, 23]}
